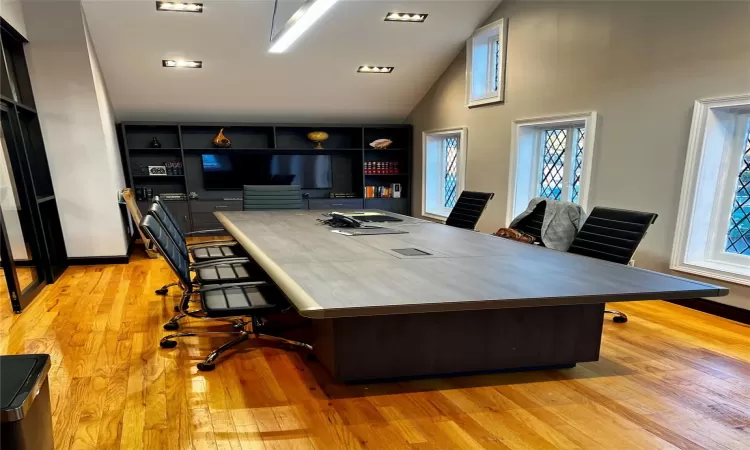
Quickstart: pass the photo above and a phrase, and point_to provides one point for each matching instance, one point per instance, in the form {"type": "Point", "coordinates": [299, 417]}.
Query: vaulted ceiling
{"type": "Point", "coordinates": [315, 80]}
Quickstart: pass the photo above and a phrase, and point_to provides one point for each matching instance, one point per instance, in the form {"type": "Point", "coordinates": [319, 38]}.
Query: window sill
{"type": "Point", "coordinates": [716, 270]}
{"type": "Point", "coordinates": [484, 101]}
{"type": "Point", "coordinates": [435, 216]}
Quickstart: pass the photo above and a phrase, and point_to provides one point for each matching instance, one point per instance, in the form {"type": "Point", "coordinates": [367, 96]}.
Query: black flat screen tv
{"type": "Point", "coordinates": [229, 172]}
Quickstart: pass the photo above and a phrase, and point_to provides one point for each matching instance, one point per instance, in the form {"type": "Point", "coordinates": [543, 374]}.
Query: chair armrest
{"type": "Point", "coordinates": [219, 262]}
{"type": "Point", "coordinates": [215, 230]}
{"type": "Point", "coordinates": [230, 285]}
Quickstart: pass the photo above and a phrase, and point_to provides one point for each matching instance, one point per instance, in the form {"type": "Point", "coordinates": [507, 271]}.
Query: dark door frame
{"type": "Point", "coordinates": [27, 205]}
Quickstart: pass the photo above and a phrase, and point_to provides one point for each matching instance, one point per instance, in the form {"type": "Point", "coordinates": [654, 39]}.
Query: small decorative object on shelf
{"type": "Point", "coordinates": [381, 144]}
{"type": "Point", "coordinates": [342, 195]}
{"type": "Point", "coordinates": [193, 195]}
{"type": "Point", "coordinates": [157, 170]}
{"type": "Point", "coordinates": [154, 143]}
{"type": "Point", "coordinates": [174, 168]}
{"type": "Point", "coordinates": [172, 196]}
{"type": "Point", "coordinates": [319, 137]}
{"type": "Point", "coordinates": [222, 141]}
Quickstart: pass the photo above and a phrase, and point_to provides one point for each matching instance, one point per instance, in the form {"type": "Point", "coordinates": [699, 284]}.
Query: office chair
{"type": "Point", "coordinates": [612, 235]}
{"type": "Point", "coordinates": [243, 302]}
{"type": "Point", "coordinates": [214, 270]}
{"type": "Point", "coordinates": [200, 251]}
{"type": "Point", "coordinates": [532, 224]}
{"type": "Point", "coordinates": [468, 209]}
{"type": "Point", "coordinates": [259, 198]}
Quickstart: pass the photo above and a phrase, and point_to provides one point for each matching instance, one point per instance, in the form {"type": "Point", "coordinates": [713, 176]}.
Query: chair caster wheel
{"type": "Point", "coordinates": [171, 326]}
{"type": "Point", "coordinates": [161, 291]}
{"type": "Point", "coordinates": [238, 326]}
{"type": "Point", "coordinates": [203, 367]}
{"type": "Point", "coordinates": [176, 308]}
{"type": "Point", "coordinates": [168, 344]}
{"type": "Point", "coordinates": [619, 319]}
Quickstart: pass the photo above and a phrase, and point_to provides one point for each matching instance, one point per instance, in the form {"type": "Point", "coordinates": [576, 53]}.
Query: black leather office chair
{"type": "Point", "coordinates": [468, 209]}
{"type": "Point", "coordinates": [200, 251]}
{"type": "Point", "coordinates": [532, 224]}
{"type": "Point", "coordinates": [243, 302]}
{"type": "Point", "coordinates": [612, 235]}
{"type": "Point", "coordinates": [259, 198]}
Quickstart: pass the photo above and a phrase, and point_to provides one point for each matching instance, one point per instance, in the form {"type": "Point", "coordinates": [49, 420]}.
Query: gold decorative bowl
{"type": "Point", "coordinates": [317, 136]}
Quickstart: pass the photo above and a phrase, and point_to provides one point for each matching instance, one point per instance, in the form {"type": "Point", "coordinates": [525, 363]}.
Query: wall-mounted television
{"type": "Point", "coordinates": [228, 171]}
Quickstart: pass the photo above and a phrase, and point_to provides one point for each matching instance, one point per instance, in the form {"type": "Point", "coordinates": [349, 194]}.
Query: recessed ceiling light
{"type": "Point", "coordinates": [303, 19]}
{"type": "Point", "coordinates": [181, 63]}
{"type": "Point", "coordinates": [179, 6]}
{"type": "Point", "coordinates": [405, 17]}
{"type": "Point", "coordinates": [375, 69]}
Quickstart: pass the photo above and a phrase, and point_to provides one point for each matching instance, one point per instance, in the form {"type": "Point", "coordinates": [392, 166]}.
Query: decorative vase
{"type": "Point", "coordinates": [222, 141]}
{"type": "Point", "coordinates": [319, 137]}
{"type": "Point", "coordinates": [154, 143]}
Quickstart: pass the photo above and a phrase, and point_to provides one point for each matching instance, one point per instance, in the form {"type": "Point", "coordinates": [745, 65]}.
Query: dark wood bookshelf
{"type": "Point", "coordinates": [348, 146]}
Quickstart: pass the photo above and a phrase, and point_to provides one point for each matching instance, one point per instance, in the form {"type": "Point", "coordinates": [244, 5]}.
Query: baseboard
{"type": "Point", "coordinates": [95, 260]}
{"type": "Point", "coordinates": [717, 309]}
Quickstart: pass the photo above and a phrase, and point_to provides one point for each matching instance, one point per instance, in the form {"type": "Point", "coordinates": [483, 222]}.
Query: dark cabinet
{"type": "Point", "coordinates": [394, 205]}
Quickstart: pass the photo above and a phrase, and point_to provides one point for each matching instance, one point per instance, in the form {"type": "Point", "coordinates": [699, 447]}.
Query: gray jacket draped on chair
{"type": "Point", "coordinates": [562, 220]}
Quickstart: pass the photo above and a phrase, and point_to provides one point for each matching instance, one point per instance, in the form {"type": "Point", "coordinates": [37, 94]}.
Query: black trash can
{"type": "Point", "coordinates": [25, 413]}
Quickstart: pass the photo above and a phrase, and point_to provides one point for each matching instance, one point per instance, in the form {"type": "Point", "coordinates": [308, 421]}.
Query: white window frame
{"type": "Point", "coordinates": [430, 138]}
{"type": "Point", "coordinates": [717, 134]}
{"type": "Point", "coordinates": [482, 41]}
{"type": "Point", "coordinates": [527, 144]}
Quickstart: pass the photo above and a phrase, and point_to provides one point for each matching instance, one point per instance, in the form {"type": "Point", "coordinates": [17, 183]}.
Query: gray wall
{"type": "Point", "coordinates": [78, 128]}
{"type": "Point", "coordinates": [641, 65]}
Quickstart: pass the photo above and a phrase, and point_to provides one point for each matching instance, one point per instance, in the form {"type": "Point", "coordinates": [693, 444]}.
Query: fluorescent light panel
{"type": "Point", "coordinates": [405, 17]}
{"type": "Point", "coordinates": [303, 19]}
{"type": "Point", "coordinates": [178, 63]}
{"type": "Point", "coordinates": [375, 69]}
{"type": "Point", "coordinates": [179, 6]}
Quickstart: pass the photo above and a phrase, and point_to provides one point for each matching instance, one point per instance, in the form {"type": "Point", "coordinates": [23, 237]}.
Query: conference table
{"type": "Point", "coordinates": [440, 300]}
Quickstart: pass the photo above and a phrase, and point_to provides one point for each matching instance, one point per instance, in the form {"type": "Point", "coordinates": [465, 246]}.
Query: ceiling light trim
{"type": "Point", "coordinates": [179, 7]}
{"type": "Point", "coordinates": [181, 64]}
{"type": "Point", "coordinates": [405, 17]}
{"type": "Point", "coordinates": [375, 69]}
{"type": "Point", "coordinates": [301, 21]}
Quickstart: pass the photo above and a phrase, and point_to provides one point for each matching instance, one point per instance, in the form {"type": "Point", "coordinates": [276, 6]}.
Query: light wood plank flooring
{"type": "Point", "coordinates": [669, 378]}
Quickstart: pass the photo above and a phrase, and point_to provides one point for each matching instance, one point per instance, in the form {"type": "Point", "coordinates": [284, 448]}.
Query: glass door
{"type": "Point", "coordinates": [19, 252]}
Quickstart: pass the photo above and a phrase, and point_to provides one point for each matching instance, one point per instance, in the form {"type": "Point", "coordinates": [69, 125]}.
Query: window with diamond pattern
{"type": "Point", "coordinates": [557, 145]}
{"type": "Point", "coordinates": [450, 150]}
{"type": "Point", "coordinates": [738, 235]}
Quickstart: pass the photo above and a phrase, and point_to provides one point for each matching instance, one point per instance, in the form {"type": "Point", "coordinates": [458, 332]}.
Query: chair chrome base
{"type": "Point", "coordinates": [164, 289]}
{"type": "Point", "coordinates": [620, 317]}
{"type": "Point", "coordinates": [242, 335]}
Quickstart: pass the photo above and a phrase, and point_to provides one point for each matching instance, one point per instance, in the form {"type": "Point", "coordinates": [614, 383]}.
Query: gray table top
{"type": "Point", "coordinates": [328, 275]}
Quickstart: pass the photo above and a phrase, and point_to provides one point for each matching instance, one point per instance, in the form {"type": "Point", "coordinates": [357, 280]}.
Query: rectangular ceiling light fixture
{"type": "Point", "coordinates": [405, 17]}
{"type": "Point", "coordinates": [181, 63]}
{"type": "Point", "coordinates": [304, 18]}
{"type": "Point", "coordinates": [375, 69]}
{"type": "Point", "coordinates": [179, 6]}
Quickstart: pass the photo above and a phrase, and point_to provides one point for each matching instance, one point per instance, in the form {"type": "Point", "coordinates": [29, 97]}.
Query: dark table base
{"type": "Point", "coordinates": [448, 343]}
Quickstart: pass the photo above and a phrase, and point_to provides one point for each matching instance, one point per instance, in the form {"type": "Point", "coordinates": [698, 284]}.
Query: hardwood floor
{"type": "Point", "coordinates": [670, 378]}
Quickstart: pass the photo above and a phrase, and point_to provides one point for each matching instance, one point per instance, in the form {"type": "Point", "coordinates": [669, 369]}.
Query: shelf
{"type": "Point", "coordinates": [155, 150]}
{"type": "Point", "coordinates": [44, 199]}
{"type": "Point", "coordinates": [160, 177]}
{"type": "Point", "coordinates": [270, 150]}
{"type": "Point", "coordinates": [385, 174]}
{"type": "Point", "coordinates": [229, 149]}
{"type": "Point", "coordinates": [395, 149]}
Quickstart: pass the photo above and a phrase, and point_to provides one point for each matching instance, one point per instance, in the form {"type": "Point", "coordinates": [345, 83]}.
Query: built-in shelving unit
{"type": "Point", "coordinates": [185, 143]}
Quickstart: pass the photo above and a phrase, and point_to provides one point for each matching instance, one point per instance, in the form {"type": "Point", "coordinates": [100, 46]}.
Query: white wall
{"type": "Point", "coordinates": [77, 126]}
{"type": "Point", "coordinates": [640, 65]}
{"type": "Point", "coordinates": [11, 11]}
